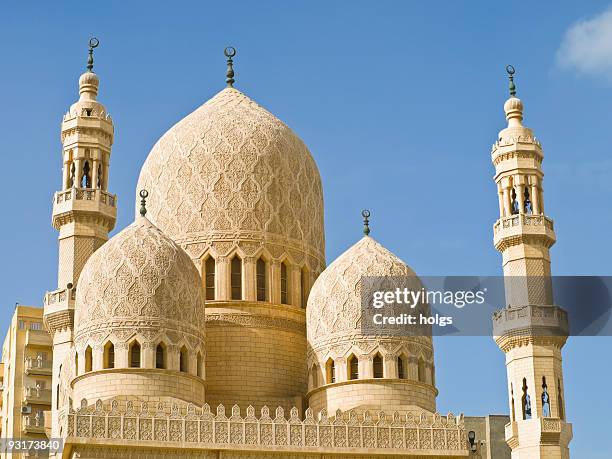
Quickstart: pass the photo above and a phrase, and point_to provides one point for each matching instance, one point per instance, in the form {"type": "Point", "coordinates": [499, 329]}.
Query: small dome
{"type": "Point", "coordinates": [89, 78]}
{"type": "Point", "coordinates": [232, 170]}
{"type": "Point", "coordinates": [513, 108]}
{"type": "Point", "coordinates": [334, 304]}
{"type": "Point", "coordinates": [140, 281]}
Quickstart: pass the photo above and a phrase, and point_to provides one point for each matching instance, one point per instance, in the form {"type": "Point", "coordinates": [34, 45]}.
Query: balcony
{"type": "Point", "coordinates": [522, 224]}
{"type": "Point", "coordinates": [38, 338]}
{"type": "Point", "coordinates": [86, 201]}
{"type": "Point", "coordinates": [33, 423]}
{"type": "Point", "coordinates": [36, 396]}
{"type": "Point", "coordinates": [35, 366]}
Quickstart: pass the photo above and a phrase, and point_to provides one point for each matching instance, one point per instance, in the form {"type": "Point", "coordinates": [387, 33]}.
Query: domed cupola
{"type": "Point", "coordinates": [241, 193]}
{"type": "Point", "coordinates": [352, 370]}
{"type": "Point", "coordinates": [139, 311]}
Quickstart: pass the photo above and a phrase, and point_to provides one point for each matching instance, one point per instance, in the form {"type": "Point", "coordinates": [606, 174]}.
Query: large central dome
{"type": "Point", "coordinates": [232, 170]}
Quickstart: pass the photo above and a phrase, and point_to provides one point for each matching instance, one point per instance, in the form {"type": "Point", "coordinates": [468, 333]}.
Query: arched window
{"type": "Point", "coordinates": [209, 276]}
{"type": "Point", "coordinates": [314, 376]}
{"type": "Point", "coordinates": [304, 286]}
{"type": "Point", "coordinates": [88, 359]}
{"type": "Point", "coordinates": [421, 370]}
{"type": "Point", "coordinates": [545, 399]}
{"type": "Point", "coordinates": [57, 391]}
{"type": "Point", "coordinates": [135, 354]}
{"type": "Point", "coordinates": [527, 208]}
{"type": "Point", "coordinates": [353, 367]}
{"type": "Point", "coordinates": [199, 364]}
{"type": "Point", "coordinates": [515, 204]}
{"type": "Point", "coordinates": [109, 355]}
{"type": "Point", "coordinates": [330, 371]}
{"type": "Point", "coordinates": [560, 400]}
{"type": "Point", "coordinates": [261, 280]}
{"type": "Point", "coordinates": [401, 369]}
{"type": "Point", "coordinates": [76, 363]}
{"type": "Point", "coordinates": [378, 366]}
{"type": "Point", "coordinates": [512, 418]}
{"type": "Point", "coordinates": [184, 360]}
{"type": "Point", "coordinates": [86, 179]}
{"type": "Point", "coordinates": [160, 356]}
{"type": "Point", "coordinates": [236, 278]}
{"type": "Point", "coordinates": [526, 401]}
{"type": "Point", "coordinates": [284, 283]}
{"type": "Point", "coordinates": [99, 182]}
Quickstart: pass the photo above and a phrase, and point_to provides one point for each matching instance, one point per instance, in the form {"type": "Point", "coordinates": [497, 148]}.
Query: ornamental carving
{"type": "Point", "coordinates": [232, 171]}
{"type": "Point", "coordinates": [139, 281]}
{"type": "Point", "coordinates": [198, 427]}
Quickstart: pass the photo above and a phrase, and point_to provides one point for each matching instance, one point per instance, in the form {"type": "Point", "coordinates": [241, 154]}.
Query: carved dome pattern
{"type": "Point", "coordinates": [334, 305]}
{"type": "Point", "coordinates": [233, 171]}
{"type": "Point", "coordinates": [140, 279]}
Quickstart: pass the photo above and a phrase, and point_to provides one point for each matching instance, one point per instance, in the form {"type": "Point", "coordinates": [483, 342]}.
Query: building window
{"type": "Point", "coordinates": [135, 354]}
{"type": "Point", "coordinates": [160, 356]}
{"type": "Point", "coordinates": [545, 399]}
{"type": "Point", "coordinates": [199, 365]}
{"type": "Point", "coordinates": [209, 268]}
{"type": "Point", "coordinates": [37, 326]}
{"type": "Point", "coordinates": [421, 370]}
{"type": "Point", "coordinates": [284, 283]}
{"type": "Point", "coordinates": [353, 367]}
{"type": "Point", "coordinates": [261, 280]}
{"type": "Point", "coordinates": [512, 418]}
{"type": "Point", "coordinates": [236, 278]}
{"type": "Point", "coordinates": [330, 370]}
{"type": "Point", "coordinates": [88, 359]}
{"type": "Point", "coordinates": [109, 355]}
{"type": "Point", "coordinates": [401, 370]}
{"type": "Point", "coordinates": [184, 360]}
{"type": "Point", "coordinates": [22, 325]}
{"type": "Point", "coordinates": [304, 286]}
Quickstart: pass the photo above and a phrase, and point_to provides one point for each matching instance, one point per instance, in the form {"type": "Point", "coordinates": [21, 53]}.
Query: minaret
{"type": "Point", "coordinates": [530, 330]}
{"type": "Point", "coordinates": [83, 210]}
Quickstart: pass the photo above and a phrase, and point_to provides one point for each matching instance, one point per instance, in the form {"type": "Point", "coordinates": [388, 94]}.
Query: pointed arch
{"type": "Point", "coordinates": [236, 277]}
{"type": "Point", "coordinates": [353, 367]}
{"type": "Point", "coordinates": [160, 355]}
{"type": "Point", "coordinates": [135, 354]}
{"type": "Point", "coordinates": [401, 367]}
{"type": "Point", "coordinates": [377, 366]}
{"type": "Point", "coordinates": [209, 277]}
{"type": "Point", "coordinates": [261, 279]}
{"type": "Point", "coordinates": [285, 283]}
{"type": "Point", "coordinates": [184, 360]}
{"type": "Point", "coordinates": [88, 359]}
{"type": "Point", "coordinates": [109, 355]}
{"type": "Point", "coordinates": [330, 371]}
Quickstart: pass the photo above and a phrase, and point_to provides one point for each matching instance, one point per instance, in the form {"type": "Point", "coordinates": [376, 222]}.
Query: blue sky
{"type": "Point", "coordinates": [399, 103]}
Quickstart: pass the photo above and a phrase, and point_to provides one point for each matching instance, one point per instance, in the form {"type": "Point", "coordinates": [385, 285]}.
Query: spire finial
{"type": "Point", "coordinates": [93, 43]}
{"type": "Point", "coordinates": [511, 71]}
{"type": "Point", "coordinates": [365, 213]}
{"type": "Point", "coordinates": [230, 52]}
{"type": "Point", "coordinates": [143, 202]}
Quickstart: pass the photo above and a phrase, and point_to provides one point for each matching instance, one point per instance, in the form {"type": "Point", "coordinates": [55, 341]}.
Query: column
{"type": "Point", "coordinates": [390, 364]}
{"type": "Point", "coordinates": [296, 286]}
{"type": "Point", "coordinates": [500, 195]}
{"type": "Point", "coordinates": [222, 279]}
{"type": "Point", "coordinates": [94, 173]}
{"type": "Point", "coordinates": [275, 273]}
{"type": "Point", "coordinates": [249, 283]}
{"type": "Point", "coordinates": [535, 198]}
{"type": "Point", "coordinates": [147, 355]}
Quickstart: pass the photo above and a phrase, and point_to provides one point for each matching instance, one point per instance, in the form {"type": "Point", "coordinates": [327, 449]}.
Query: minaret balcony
{"type": "Point", "coordinates": [84, 201]}
{"type": "Point", "coordinates": [59, 309]}
{"type": "Point", "coordinates": [519, 225]}
{"type": "Point", "coordinates": [514, 325]}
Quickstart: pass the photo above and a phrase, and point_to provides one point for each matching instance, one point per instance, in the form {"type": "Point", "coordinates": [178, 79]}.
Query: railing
{"type": "Point", "coordinates": [188, 424]}
{"type": "Point", "coordinates": [38, 366]}
{"type": "Point", "coordinates": [86, 194]}
{"type": "Point", "coordinates": [34, 423]}
{"type": "Point", "coordinates": [59, 296]}
{"type": "Point", "coordinates": [37, 395]}
{"type": "Point", "coordinates": [523, 219]}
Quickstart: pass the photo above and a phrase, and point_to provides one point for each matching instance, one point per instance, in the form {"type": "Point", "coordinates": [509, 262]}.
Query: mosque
{"type": "Point", "coordinates": [212, 327]}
